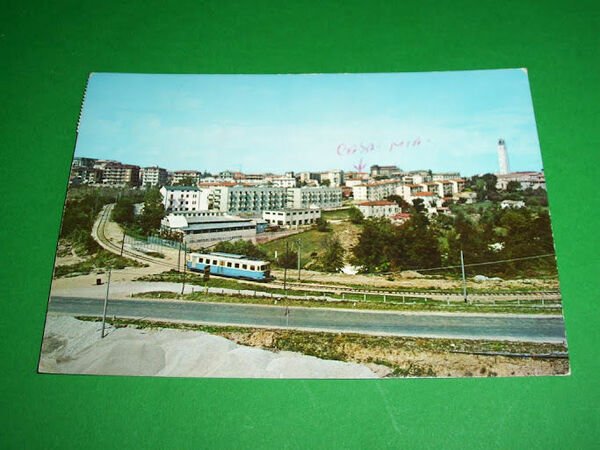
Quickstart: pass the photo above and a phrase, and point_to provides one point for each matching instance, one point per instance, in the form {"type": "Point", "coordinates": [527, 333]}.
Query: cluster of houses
{"type": "Point", "coordinates": [209, 208]}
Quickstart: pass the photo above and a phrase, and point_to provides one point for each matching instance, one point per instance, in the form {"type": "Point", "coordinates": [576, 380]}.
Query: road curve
{"type": "Point", "coordinates": [512, 328]}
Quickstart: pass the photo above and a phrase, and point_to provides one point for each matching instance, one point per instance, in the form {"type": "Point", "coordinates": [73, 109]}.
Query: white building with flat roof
{"type": "Point", "coordinates": [184, 198]}
{"type": "Point", "coordinates": [376, 190]}
{"type": "Point", "coordinates": [284, 182]}
{"type": "Point", "coordinates": [441, 176]}
{"type": "Point", "coordinates": [378, 208]}
{"type": "Point", "coordinates": [292, 217]}
{"type": "Point", "coordinates": [314, 197]}
{"type": "Point", "coordinates": [251, 200]}
{"type": "Point", "coordinates": [205, 231]}
{"type": "Point", "coordinates": [334, 177]}
{"type": "Point", "coordinates": [190, 175]}
{"type": "Point", "coordinates": [153, 176]}
{"type": "Point", "coordinates": [533, 180]}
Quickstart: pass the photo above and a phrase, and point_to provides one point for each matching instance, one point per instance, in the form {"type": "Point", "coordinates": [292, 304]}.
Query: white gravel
{"type": "Point", "coordinates": [74, 346]}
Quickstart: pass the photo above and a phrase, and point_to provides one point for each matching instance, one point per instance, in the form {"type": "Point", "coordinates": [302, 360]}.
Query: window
{"type": "Point", "coordinates": [214, 262]}
{"type": "Point", "coordinates": [237, 265]}
{"type": "Point", "coordinates": [201, 260]}
{"type": "Point", "coordinates": [252, 268]}
{"type": "Point", "coordinates": [228, 263]}
{"type": "Point", "coordinates": [244, 266]}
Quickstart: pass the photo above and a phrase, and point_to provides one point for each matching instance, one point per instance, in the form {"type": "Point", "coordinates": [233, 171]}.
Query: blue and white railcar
{"type": "Point", "coordinates": [230, 265]}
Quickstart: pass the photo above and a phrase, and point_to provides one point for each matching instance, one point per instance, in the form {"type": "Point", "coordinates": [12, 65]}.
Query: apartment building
{"type": "Point", "coordinates": [314, 197]}
{"type": "Point", "coordinates": [252, 200]}
{"type": "Point", "coordinates": [184, 198]}
{"type": "Point", "coordinates": [153, 176]}
{"type": "Point", "coordinates": [189, 175]}
{"type": "Point", "coordinates": [379, 208]}
{"type": "Point", "coordinates": [376, 190]}
{"type": "Point", "coordinates": [117, 174]}
{"type": "Point", "coordinates": [292, 217]}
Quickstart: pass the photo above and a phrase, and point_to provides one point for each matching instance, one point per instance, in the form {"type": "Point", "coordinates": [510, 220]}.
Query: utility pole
{"type": "Point", "coordinates": [298, 244]}
{"type": "Point", "coordinates": [287, 244]}
{"type": "Point", "coordinates": [464, 280]}
{"type": "Point", "coordinates": [105, 303]}
{"type": "Point", "coordinates": [179, 257]}
{"type": "Point", "coordinates": [184, 267]}
{"type": "Point", "coordinates": [123, 243]}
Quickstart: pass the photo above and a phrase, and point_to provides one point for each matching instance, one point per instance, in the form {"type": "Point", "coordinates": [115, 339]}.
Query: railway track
{"type": "Point", "coordinates": [515, 295]}
{"type": "Point", "coordinates": [99, 233]}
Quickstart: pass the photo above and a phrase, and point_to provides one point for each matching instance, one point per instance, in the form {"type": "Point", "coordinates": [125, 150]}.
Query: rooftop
{"type": "Point", "coordinates": [377, 203]}
{"type": "Point", "coordinates": [181, 188]}
{"type": "Point", "coordinates": [215, 219]}
{"type": "Point", "coordinates": [228, 255]}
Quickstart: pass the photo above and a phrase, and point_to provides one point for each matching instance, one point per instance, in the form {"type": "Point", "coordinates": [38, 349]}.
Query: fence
{"type": "Point", "coordinates": [149, 244]}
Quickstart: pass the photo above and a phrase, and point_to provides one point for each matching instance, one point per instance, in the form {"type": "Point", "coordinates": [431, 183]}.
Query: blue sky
{"type": "Point", "coordinates": [444, 121]}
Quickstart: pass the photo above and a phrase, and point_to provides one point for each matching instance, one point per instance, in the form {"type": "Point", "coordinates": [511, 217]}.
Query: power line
{"type": "Point", "coordinates": [500, 261]}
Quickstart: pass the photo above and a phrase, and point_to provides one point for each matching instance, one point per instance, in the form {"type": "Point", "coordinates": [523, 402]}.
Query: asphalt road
{"type": "Point", "coordinates": [514, 328]}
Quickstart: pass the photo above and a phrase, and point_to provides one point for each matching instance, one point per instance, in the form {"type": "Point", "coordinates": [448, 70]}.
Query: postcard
{"type": "Point", "coordinates": [378, 225]}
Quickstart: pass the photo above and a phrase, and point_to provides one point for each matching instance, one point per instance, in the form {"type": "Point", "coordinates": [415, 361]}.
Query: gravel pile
{"type": "Point", "coordinates": [74, 346]}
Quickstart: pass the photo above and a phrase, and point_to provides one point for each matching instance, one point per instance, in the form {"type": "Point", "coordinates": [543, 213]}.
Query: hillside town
{"type": "Point", "coordinates": [324, 251]}
{"type": "Point", "coordinates": [206, 208]}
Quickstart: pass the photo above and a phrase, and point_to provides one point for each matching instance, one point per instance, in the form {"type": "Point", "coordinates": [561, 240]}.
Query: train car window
{"type": "Point", "coordinates": [221, 263]}
{"type": "Point", "coordinates": [228, 264]}
{"type": "Point", "coordinates": [237, 265]}
{"type": "Point", "coordinates": [214, 262]}
{"type": "Point", "coordinates": [201, 260]}
{"type": "Point", "coordinates": [252, 268]}
{"type": "Point", "coordinates": [244, 266]}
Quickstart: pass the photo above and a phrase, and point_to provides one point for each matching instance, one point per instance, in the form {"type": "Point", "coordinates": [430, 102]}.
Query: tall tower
{"type": "Point", "coordinates": [503, 157]}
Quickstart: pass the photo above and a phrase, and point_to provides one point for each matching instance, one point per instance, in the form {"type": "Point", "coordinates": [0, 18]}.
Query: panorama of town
{"type": "Point", "coordinates": [378, 273]}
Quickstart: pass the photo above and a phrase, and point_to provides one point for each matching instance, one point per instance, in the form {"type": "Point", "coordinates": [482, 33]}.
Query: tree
{"type": "Point", "coordinates": [122, 212]}
{"type": "Point", "coordinates": [372, 250]}
{"type": "Point", "coordinates": [513, 186]}
{"type": "Point", "coordinates": [418, 205]}
{"type": "Point", "coordinates": [326, 182]}
{"type": "Point", "coordinates": [399, 201]}
{"type": "Point", "coordinates": [415, 244]}
{"type": "Point", "coordinates": [332, 259]}
{"type": "Point", "coordinates": [322, 225]}
{"type": "Point", "coordinates": [240, 247]}
{"type": "Point", "coordinates": [288, 259]}
{"type": "Point", "coordinates": [153, 212]}
{"type": "Point", "coordinates": [186, 181]}
{"type": "Point", "coordinates": [484, 185]}
{"type": "Point", "coordinates": [355, 215]}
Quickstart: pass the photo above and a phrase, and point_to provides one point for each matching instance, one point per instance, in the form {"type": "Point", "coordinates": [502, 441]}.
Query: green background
{"type": "Point", "coordinates": [46, 53]}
